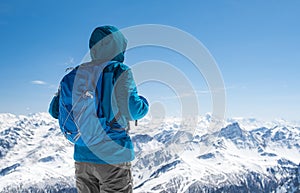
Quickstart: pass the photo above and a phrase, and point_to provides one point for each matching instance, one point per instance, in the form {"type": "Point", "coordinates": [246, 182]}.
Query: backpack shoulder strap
{"type": "Point", "coordinates": [114, 119]}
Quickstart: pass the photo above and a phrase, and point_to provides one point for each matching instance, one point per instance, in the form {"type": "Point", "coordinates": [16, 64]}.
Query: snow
{"type": "Point", "coordinates": [40, 151]}
{"type": "Point", "coordinates": [171, 156]}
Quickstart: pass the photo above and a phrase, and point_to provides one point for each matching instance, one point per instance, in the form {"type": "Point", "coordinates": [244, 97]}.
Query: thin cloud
{"type": "Point", "coordinates": [38, 82]}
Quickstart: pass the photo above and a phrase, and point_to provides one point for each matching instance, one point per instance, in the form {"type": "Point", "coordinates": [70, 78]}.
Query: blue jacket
{"type": "Point", "coordinates": [130, 105]}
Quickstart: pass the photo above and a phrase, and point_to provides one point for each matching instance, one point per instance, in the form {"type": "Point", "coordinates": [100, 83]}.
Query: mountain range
{"type": "Point", "coordinates": [242, 155]}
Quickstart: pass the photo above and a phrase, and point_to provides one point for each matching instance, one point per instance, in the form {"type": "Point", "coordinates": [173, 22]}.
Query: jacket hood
{"type": "Point", "coordinates": [107, 43]}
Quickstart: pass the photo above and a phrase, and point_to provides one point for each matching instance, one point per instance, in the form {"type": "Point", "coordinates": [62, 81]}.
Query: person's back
{"type": "Point", "coordinates": [105, 166]}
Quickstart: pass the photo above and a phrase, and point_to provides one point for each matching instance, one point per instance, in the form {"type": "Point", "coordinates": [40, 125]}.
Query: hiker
{"type": "Point", "coordinates": [102, 163]}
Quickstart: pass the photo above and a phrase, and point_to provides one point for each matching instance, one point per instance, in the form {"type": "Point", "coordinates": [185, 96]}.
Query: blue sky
{"type": "Point", "coordinates": [256, 45]}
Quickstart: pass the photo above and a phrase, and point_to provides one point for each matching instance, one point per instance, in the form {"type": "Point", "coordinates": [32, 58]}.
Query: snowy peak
{"type": "Point", "coordinates": [232, 132]}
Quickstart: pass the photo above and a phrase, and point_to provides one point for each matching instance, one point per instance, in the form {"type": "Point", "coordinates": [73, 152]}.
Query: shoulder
{"type": "Point", "coordinates": [73, 70]}
{"type": "Point", "coordinates": [70, 75]}
{"type": "Point", "coordinates": [116, 67]}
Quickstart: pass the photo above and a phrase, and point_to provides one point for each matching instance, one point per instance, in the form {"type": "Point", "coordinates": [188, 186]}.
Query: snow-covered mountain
{"type": "Point", "coordinates": [34, 155]}
{"type": "Point", "coordinates": [244, 155]}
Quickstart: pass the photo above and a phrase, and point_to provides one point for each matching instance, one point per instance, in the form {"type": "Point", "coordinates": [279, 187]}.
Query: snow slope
{"type": "Point", "coordinates": [33, 153]}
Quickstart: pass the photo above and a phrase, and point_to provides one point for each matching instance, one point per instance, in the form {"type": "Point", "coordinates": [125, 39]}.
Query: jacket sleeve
{"type": "Point", "coordinates": [54, 107]}
{"type": "Point", "coordinates": [130, 104]}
